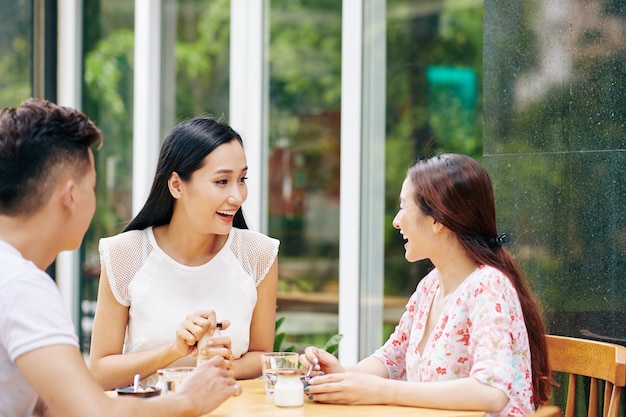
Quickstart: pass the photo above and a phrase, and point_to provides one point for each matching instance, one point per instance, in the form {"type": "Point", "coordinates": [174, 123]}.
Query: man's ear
{"type": "Point", "coordinates": [174, 185]}
{"type": "Point", "coordinates": [67, 189]}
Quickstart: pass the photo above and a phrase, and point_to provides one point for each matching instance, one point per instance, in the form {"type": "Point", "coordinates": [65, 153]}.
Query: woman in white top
{"type": "Point", "coordinates": [186, 261]}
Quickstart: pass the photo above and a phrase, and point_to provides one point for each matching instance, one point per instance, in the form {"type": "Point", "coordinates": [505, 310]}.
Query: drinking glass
{"type": "Point", "coordinates": [171, 378]}
{"type": "Point", "coordinates": [271, 362]}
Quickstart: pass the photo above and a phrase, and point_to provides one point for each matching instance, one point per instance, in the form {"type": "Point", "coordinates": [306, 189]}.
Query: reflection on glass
{"type": "Point", "coordinates": [304, 127]}
{"type": "Point", "coordinates": [196, 68]}
{"type": "Point", "coordinates": [434, 84]}
{"type": "Point", "coordinates": [556, 141]}
{"type": "Point", "coordinates": [108, 85]}
{"type": "Point", "coordinates": [16, 48]}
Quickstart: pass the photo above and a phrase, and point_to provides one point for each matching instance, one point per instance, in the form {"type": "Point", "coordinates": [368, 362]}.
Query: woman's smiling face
{"type": "Point", "coordinates": [416, 227]}
{"type": "Point", "coordinates": [216, 191]}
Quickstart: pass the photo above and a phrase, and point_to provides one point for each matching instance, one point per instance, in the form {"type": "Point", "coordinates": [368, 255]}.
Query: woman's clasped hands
{"type": "Point", "coordinates": [194, 327]}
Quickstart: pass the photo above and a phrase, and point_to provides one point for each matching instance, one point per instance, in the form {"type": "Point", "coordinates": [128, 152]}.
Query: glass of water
{"type": "Point", "coordinates": [273, 361]}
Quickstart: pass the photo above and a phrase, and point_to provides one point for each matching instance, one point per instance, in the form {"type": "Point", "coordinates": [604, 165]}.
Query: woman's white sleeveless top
{"type": "Point", "coordinates": [160, 292]}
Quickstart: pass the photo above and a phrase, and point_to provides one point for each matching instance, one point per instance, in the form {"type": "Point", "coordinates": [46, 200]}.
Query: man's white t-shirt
{"type": "Point", "coordinates": [32, 316]}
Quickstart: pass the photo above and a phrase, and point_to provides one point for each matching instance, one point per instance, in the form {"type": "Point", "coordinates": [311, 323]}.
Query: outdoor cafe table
{"type": "Point", "coordinates": [254, 402]}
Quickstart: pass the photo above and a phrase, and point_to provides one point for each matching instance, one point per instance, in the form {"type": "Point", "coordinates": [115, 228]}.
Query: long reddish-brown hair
{"type": "Point", "coordinates": [456, 191]}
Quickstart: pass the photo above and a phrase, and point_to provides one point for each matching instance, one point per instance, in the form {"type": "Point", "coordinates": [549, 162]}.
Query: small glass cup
{"type": "Point", "coordinates": [171, 378]}
{"type": "Point", "coordinates": [273, 361]}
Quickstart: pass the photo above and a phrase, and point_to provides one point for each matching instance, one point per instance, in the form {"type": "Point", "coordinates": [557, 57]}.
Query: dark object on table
{"type": "Point", "coordinates": [143, 391]}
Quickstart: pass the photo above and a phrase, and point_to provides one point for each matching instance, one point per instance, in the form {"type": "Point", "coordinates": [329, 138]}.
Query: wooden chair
{"type": "Point", "coordinates": [547, 411]}
{"type": "Point", "coordinates": [600, 361]}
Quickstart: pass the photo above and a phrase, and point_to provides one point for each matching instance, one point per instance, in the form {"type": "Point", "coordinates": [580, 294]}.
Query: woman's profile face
{"type": "Point", "coordinates": [214, 193]}
{"type": "Point", "coordinates": [415, 227]}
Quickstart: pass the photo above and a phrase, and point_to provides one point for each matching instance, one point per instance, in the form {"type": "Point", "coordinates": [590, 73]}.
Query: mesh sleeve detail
{"type": "Point", "coordinates": [256, 252]}
{"type": "Point", "coordinates": [122, 256]}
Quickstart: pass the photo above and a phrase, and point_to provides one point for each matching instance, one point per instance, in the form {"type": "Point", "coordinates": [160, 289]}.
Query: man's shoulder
{"type": "Point", "coordinates": [14, 265]}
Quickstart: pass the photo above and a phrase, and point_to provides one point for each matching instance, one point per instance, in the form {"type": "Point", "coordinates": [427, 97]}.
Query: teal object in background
{"type": "Point", "coordinates": [454, 82]}
{"type": "Point", "coordinates": [452, 95]}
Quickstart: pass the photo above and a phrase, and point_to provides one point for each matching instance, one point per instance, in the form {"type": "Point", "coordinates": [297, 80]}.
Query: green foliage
{"type": "Point", "coordinates": [201, 54]}
{"type": "Point", "coordinates": [108, 89]}
{"type": "Point", "coordinates": [279, 338]}
{"type": "Point", "coordinates": [331, 346]}
{"type": "Point", "coordinates": [305, 55]}
{"type": "Point", "coordinates": [15, 68]}
{"type": "Point", "coordinates": [104, 70]}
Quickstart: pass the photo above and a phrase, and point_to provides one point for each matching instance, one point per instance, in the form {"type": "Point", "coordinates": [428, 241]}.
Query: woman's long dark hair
{"type": "Point", "coordinates": [183, 152]}
{"type": "Point", "coordinates": [456, 191]}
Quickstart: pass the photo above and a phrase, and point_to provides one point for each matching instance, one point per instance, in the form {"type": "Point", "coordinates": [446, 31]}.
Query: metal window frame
{"type": "Point", "coordinates": [361, 244]}
{"type": "Point", "coordinates": [69, 76]}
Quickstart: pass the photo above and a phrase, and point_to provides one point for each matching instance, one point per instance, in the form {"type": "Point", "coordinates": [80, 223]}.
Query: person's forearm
{"type": "Point", "coordinates": [370, 365]}
{"type": "Point", "coordinates": [155, 406]}
{"type": "Point", "coordinates": [119, 370]}
{"type": "Point", "coordinates": [457, 394]}
{"type": "Point", "coordinates": [248, 366]}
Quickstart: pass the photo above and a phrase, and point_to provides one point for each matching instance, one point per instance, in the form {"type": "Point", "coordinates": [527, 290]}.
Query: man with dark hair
{"type": "Point", "coordinates": [47, 200]}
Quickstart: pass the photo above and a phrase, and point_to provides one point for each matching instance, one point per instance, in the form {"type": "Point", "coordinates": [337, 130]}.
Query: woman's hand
{"type": "Point", "coordinates": [346, 388]}
{"type": "Point", "coordinates": [216, 345]}
{"type": "Point", "coordinates": [320, 360]}
{"type": "Point", "coordinates": [356, 387]}
{"type": "Point", "coordinates": [191, 330]}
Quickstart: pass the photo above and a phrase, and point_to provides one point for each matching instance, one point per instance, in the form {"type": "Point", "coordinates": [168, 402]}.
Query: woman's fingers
{"type": "Point", "coordinates": [218, 346]}
{"type": "Point", "coordinates": [310, 361]}
{"type": "Point", "coordinates": [221, 351]}
{"type": "Point", "coordinates": [194, 326]}
{"type": "Point", "coordinates": [198, 323]}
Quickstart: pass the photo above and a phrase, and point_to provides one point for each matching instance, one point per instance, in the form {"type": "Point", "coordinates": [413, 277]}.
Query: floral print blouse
{"type": "Point", "coordinates": [481, 334]}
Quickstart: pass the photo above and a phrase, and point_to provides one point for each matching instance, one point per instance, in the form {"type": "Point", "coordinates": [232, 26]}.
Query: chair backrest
{"type": "Point", "coordinates": [600, 361]}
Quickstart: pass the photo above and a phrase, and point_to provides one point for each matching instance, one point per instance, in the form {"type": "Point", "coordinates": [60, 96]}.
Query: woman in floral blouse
{"type": "Point", "coordinates": [473, 324]}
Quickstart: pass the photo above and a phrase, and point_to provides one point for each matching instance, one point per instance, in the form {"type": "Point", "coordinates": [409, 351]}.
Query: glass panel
{"type": "Point", "coordinates": [196, 69]}
{"type": "Point", "coordinates": [555, 144]}
{"type": "Point", "coordinates": [555, 141]}
{"type": "Point", "coordinates": [16, 52]}
{"type": "Point", "coordinates": [434, 105]}
{"type": "Point", "coordinates": [108, 41]}
{"type": "Point", "coordinates": [304, 129]}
